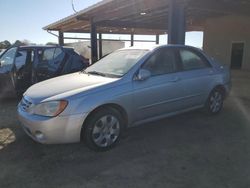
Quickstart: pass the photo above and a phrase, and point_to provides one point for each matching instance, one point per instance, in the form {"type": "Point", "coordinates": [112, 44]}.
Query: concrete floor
{"type": "Point", "coordinates": [187, 151]}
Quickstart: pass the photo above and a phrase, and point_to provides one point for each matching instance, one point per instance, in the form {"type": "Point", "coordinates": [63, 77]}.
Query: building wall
{"type": "Point", "coordinates": [220, 33]}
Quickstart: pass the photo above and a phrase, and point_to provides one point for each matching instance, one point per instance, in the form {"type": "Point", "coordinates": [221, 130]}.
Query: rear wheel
{"type": "Point", "coordinates": [215, 101]}
{"type": "Point", "coordinates": [103, 129]}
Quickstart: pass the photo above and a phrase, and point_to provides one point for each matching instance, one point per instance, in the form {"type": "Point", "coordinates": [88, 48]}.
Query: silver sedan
{"type": "Point", "coordinates": [128, 87]}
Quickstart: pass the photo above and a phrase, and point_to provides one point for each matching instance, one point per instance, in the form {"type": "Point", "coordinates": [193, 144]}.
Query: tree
{"type": "Point", "coordinates": [26, 42]}
{"type": "Point", "coordinates": [5, 44]}
{"type": "Point", "coordinates": [51, 43]}
{"type": "Point", "coordinates": [18, 43]}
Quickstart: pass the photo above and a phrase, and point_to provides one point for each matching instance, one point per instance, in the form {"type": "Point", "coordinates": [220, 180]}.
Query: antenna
{"type": "Point", "coordinates": [73, 6]}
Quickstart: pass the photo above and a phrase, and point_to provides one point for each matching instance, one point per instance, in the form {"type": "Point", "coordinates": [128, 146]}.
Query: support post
{"type": "Point", "coordinates": [176, 23]}
{"type": "Point", "coordinates": [93, 40]}
{"type": "Point", "coordinates": [60, 38]}
{"type": "Point", "coordinates": [100, 45]}
{"type": "Point", "coordinates": [132, 40]}
{"type": "Point", "coordinates": [157, 38]}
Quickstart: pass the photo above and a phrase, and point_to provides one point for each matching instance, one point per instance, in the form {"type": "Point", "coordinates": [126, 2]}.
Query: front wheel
{"type": "Point", "coordinates": [103, 129]}
{"type": "Point", "coordinates": [215, 102]}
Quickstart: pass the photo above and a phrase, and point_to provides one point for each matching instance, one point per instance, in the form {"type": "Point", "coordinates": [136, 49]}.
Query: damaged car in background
{"type": "Point", "coordinates": [21, 67]}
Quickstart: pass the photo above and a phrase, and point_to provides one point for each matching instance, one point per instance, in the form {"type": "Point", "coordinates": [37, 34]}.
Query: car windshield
{"type": "Point", "coordinates": [116, 64]}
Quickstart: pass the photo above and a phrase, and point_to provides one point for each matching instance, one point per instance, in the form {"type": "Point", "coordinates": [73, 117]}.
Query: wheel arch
{"type": "Point", "coordinates": [221, 88]}
{"type": "Point", "coordinates": [115, 106]}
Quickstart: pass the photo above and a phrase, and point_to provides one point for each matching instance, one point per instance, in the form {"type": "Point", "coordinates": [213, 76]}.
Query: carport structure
{"type": "Point", "coordinates": [146, 17]}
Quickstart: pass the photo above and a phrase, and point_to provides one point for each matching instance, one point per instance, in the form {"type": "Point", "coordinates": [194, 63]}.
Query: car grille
{"type": "Point", "coordinates": [25, 104]}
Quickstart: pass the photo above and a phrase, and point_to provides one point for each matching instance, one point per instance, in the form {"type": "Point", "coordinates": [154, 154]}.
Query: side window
{"type": "Point", "coordinates": [21, 58]}
{"type": "Point", "coordinates": [48, 54]}
{"type": "Point", "coordinates": [162, 62]}
{"type": "Point", "coordinates": [73, 64]}
{"type": "Point", "coordinates": [77, 63]}
{"type": "Point", "coordinates": [58, 55]}
{"type": "Point", "coordinates": [191, 60]}
{"type": "Point", "coordinates": [8, 57]}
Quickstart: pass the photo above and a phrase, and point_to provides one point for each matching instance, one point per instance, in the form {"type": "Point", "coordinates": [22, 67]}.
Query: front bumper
{"type": "Point", "coordinates": [52, 130]}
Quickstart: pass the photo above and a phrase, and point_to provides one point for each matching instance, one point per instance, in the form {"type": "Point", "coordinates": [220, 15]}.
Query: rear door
{"type": "Point", "coordinates": [6, 66]}
{"type": "Point", "coordinates": [73, 63]}
{"type": "Point", "coordinates": [56, 65]}
{"type": "Point", "coordinates": [195, 77]}
{"type": "Point", "coordinates": [23, 65]}
{"type": "Point", "coordinates": [46, 56]}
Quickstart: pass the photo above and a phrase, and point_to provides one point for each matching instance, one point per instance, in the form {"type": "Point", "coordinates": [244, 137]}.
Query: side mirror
{"type": "Point", "coordinates": [143, 74]}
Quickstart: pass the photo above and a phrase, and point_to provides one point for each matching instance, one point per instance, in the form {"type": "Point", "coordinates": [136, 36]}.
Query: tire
{"type": "Point", "coordinates": [214, 102]}
{"type": "Point", "coordinates": [103, 129]}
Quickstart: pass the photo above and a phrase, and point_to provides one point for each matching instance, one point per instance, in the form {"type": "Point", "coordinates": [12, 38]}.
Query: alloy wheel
{"type": "Point", "coordinates": [216, 100]}
{"type": "Point", "coordinates": [106, 131]}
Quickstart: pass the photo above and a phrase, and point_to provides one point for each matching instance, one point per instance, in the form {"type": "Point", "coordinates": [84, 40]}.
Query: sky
{"type": "Point", "coordinates": [24, 20]}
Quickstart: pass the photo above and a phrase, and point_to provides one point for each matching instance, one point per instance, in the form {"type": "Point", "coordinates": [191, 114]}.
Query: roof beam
{"type": "Point", "coordinates": [128, 24]}
{"type": "Point", "coordinates": [80, 24]}
{"type": "Point", "coordinates": [136, 7]}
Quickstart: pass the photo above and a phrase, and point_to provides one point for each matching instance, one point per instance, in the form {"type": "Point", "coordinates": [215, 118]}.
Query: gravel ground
{"type": "Point", "coordinates": [186, 151]}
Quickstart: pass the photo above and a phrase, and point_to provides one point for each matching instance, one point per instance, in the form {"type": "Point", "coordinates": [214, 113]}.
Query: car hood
{"type": "Point", "coordinates": [64, 86]}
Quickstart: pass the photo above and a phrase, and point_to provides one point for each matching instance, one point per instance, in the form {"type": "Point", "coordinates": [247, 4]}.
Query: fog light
{"type": "Point", "coordinates": [39, 135]}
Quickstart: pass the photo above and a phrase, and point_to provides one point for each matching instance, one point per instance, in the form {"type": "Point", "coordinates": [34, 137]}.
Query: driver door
{"type": "Point", "coordinates": [6, 65]}
{"type": "Point", "coordinates": [159, 94]}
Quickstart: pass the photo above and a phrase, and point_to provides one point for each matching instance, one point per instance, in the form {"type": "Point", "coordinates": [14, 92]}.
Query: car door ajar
{"type": "Point", "coordinates": [6, 69]}
{"type": "Point", "coordinates": [56, 65]}
{"type": "Point", "coordinates": [159, 94]}
{"type": "Point", "coordinates": [23, 66]}
{"type": "Point", "coordinates": [45, 58]}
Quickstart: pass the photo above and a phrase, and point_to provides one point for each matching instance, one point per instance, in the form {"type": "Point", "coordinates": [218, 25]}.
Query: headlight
{"type": "Point", "coordinates": [51, 108]}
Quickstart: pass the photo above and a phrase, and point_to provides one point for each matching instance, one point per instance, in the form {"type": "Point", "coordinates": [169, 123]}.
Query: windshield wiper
{"type": "Point", "coordinates": [96, 73]}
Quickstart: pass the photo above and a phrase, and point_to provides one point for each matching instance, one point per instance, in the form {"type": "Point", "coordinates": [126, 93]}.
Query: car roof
{"type": "Point", "coordinates": [43, 47]}
{"type": "Point", "coordinates": [150, 48]}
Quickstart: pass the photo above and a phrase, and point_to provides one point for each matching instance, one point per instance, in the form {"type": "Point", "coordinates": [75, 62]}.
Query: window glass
{"type": "Point", "coordinates": [117, 63]}
{"type": "Point", "coordinates": [58, 55]}
{"type": "Point", "coordinates": [191, 61]}
{"type": "Point", "coordinates": [162, 62]}
{"type": "Point", "coordinates": [48, 54]}
{"type": "Point", "coordinates": [54, 64]}
{"type": "Point", "coordinates": [74, 63]}
{"type": "Point", "coordinates": [77, 64]}
{"type": "Point", "coordinates": [8, 57]}
{"type": "Point", "coordinates": [21, 58]}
